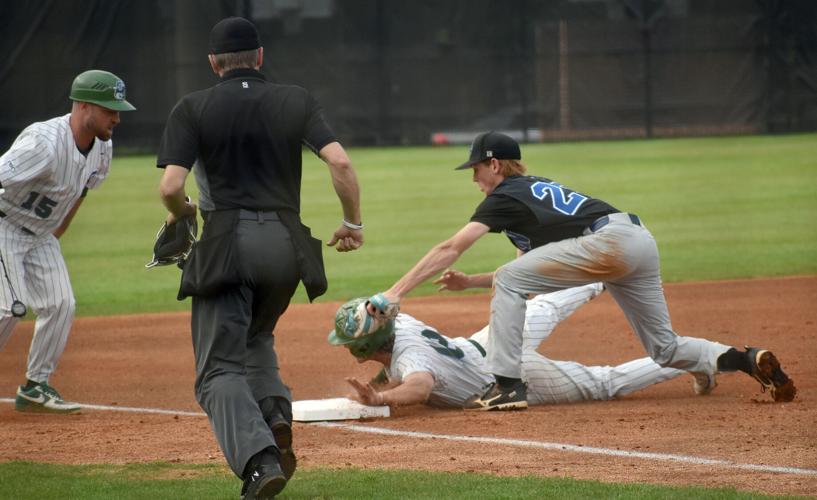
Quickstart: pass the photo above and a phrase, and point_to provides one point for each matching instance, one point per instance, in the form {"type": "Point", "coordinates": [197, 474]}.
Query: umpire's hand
{"type": "Point", "coordinates": [346, 239]}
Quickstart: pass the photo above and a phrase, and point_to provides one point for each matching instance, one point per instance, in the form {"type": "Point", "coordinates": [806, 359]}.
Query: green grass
{"type": "Point", "coordinates": [164, 481]}
{"type": "Point", "coordinates": [719, 208]}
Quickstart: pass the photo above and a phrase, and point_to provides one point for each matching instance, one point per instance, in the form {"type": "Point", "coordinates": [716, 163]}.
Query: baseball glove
{"type": "Point", "coordinates": [174, 242]}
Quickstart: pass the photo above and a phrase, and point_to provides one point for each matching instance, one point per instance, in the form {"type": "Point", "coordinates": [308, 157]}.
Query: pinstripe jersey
{"type": "Point", "coordinates": [456, 364]}
{"type": "Point", "coordinates": [44, 174]}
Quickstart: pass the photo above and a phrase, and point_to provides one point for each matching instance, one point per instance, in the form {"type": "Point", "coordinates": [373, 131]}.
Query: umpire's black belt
{"type": "Point", "coordinates": [258, 215]}
{"type": "Point", "coordinates": [603, 221]}
{"type": "Point", "coordinates": [23, 229]}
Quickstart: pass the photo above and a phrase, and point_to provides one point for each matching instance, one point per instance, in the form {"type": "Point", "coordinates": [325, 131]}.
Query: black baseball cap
{"type": "Point", "coordinates": [233, 34]}
{"type": "Point", "coordinates": [492, 145]}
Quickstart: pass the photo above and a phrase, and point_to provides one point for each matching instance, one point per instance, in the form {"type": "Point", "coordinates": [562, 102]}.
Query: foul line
{"type": "Point", "coordinates": [522, 443]}
{"type": "Point", "coordinates": [130, 409]}
{"type": "Point", "coordinates": [573, 448]}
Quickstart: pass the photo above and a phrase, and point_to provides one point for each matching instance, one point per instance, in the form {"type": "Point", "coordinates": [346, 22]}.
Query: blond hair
{"type": "Point", "coordinates": [235, 60]}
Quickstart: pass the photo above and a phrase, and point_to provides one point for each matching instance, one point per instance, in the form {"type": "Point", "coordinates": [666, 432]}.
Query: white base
{"type": "Point", "coordinates": [313, 410]}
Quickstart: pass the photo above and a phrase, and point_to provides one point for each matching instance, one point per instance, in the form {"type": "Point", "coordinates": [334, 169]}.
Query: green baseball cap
{"type": "Point", "coordinates": [100, 88]}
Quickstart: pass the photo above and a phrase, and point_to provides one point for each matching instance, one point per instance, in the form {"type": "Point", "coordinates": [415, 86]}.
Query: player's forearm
{"type": "Point", "coordinates": [68, 218]}
{"type": "Point", "coordinates": [484, 280]}
{"type": "Point", "coordinates": [436, 260]}
{"type": "Point", "coordinates": [413, 391]}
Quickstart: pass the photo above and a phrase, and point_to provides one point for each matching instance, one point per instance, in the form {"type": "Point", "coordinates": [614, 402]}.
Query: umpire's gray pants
{"type": "Point", "coordinates": [236, 363]}
{"type": "Point", "coordinates": [622, 255]}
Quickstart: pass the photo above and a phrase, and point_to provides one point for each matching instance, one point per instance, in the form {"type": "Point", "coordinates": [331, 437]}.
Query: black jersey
{"type": "Point", "coordinates": [246, 136]}
{"type": "Point", "coordinates": [533, 211]}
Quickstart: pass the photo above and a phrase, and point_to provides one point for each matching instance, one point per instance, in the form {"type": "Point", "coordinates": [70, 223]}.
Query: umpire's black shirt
{"type": "Point", "coordinates": [246, 134]}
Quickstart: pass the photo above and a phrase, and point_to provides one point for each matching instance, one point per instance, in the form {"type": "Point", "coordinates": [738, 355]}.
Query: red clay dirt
{"type": "Point", "coordinates": [146, 361]}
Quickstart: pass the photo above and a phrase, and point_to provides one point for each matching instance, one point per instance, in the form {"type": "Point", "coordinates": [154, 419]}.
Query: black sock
{"type": "Point", "coordinates": [734, 360]}
{"type": "Point", "coordinates": [30, 384]}
{"type": "Point", "coordinates": [506, 382]}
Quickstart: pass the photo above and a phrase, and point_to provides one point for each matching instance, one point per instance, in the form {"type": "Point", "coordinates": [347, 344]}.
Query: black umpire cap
{"type": "Point", "coordinates": [233, 34]}
{"type": "Point", "coordinates": [492, 145]}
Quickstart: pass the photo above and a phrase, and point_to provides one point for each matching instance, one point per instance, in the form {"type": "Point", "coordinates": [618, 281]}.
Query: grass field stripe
{"type": "Point", "coordinates": [574, 448]}
{"type": "Point", "coordinates": [130, 409]}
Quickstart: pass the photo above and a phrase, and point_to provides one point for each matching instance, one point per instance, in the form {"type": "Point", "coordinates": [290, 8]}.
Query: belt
{"type": "Point", "coordinates": [603, 221]}
{"type": "Point", "coordinates": [258, 215]}
{"type": "Point", "coordinates": [23, 229]}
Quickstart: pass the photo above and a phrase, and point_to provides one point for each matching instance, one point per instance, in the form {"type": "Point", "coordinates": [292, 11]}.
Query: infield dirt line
{"type": "Point", "coordinates": [667, 457]}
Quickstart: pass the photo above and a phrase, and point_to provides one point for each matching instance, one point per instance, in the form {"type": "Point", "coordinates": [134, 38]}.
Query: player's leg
{"type": "Point", "coordinates": [547, 310]}
{"type": "Point", "coordinates": [553, 382]}
{"type": "Point", "coordinates": [636, 375]}
{"type": "Point", "coordinates": [12, 277]}
{"type": "Point", "coordinates": [640, 295]}
{"type": "Point", "coordinates": [51, 298]}
{"type": "Point", "coordinates": [549, 268]}
{"type": "Point", "coordinates": [544, 269]}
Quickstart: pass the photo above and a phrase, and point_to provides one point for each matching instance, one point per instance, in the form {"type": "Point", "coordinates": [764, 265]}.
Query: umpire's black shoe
{"type": "Point", "coordinates": [282, 431]}
{"type": "Point", "coordinates": [263, 482]}
{"type": "Point", "coordinates": [766, 370]}
{"type": "Point", "coordinates": [500, 398]}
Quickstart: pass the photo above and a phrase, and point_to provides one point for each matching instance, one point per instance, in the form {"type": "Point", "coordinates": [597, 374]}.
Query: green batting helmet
{"type": "Point", "coordinates": [347, 319]}
{"type": "Point", "coordinates": [100, 88]}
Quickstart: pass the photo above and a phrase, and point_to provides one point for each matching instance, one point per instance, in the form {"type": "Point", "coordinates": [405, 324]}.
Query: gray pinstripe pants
{"type": "Point", "coordinates": [622, 255]}
{"type": "Point", "coordinates": [37, 271]}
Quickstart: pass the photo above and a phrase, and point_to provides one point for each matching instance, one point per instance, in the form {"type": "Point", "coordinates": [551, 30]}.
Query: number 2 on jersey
{"type": "Point", "coordinates": [43, 207]}
{"type": "Point", "coordinates": [444, 348]}
{"type": "Point", "coordinates": [567, 204]}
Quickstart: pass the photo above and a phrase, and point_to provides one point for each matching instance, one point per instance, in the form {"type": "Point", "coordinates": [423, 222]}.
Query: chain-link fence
{"type": "Point", "coordinates": [397, 72]}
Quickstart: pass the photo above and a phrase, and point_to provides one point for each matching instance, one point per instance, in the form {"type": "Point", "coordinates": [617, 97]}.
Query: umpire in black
{"type": "Point", "coordinates": [242, 138]}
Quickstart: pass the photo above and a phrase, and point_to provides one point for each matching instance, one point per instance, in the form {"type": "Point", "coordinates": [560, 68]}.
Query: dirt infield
{"type": "Point", "coordinates": [146, 361]}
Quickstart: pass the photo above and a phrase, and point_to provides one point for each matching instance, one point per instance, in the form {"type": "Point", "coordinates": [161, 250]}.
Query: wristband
{"type": "Point", "coordinates": [348, 224]}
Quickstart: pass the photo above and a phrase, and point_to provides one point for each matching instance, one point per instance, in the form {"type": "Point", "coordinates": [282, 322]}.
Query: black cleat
{"type": "Point", "coordinates": [263, 482]}
{"type": "Point", "coordinates": [497, 398]}
{"type": "Point", "coordinates": [282, 431]}
{"type": "Point", "coordinates": [766, 370]}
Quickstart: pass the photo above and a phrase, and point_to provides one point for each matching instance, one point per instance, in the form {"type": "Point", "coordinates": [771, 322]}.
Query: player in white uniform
{"type": "Point", "coordinates": [424, 366]}
{"type": "Point", "coordinates": [45, 176]}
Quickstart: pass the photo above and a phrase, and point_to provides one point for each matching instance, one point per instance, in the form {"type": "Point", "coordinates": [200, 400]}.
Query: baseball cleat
{"type": "Point", "coordinates": [703, 383]}
{"type": "Point", "coordinates": [497, 398]}
{"type": "Point", "coordinates": [282, 431]}
{"type": "Point", "coordinates": [766, 370]}
{"type": "Point", "coordinates": [42, 398]}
